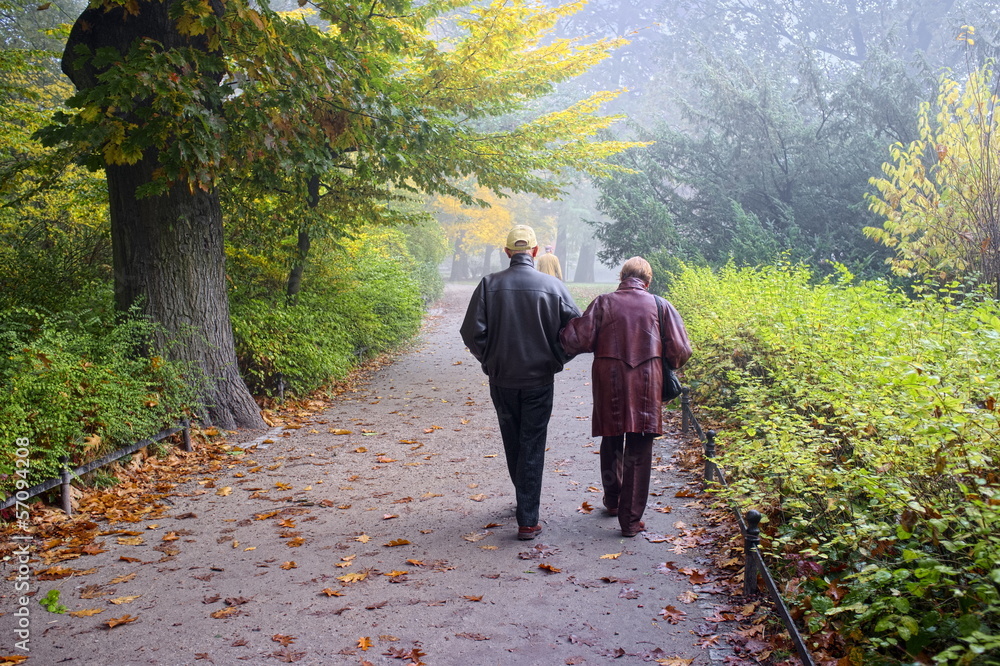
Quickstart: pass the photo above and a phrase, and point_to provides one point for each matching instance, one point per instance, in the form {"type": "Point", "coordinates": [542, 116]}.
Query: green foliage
{"type": "Point", "coordinates": [362, 298]}
{"type": "Point", "coordinates": [79, 388]}
{"type": "Point", "coordinates": [50, 602]}
{"type": "Point", "coordinates": [864, 425]}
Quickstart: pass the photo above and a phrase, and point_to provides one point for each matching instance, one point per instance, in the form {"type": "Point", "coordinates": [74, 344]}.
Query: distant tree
{"type": "Point", "coordinates": [784, 116]}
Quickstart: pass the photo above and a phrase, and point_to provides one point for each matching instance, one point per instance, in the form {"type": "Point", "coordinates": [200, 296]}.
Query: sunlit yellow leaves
{"type": "Point", "coordinates": [364, 538]}
{"type": "Point", "coordinates": [289, 565]}
{"type": "Point", "coordinates": [396, 573]}
{"type": "Point", "coordinates": [131, 541]}
{"type": "Point", "coordinates": [331, 593]}
{"type": "Point", "coordinates": [87, 612]}
{"type": "Point", "coordinates": [365, 643]}
{"type": "Point", "coordinates": [223, 613]}
{"type": "Point", "coordinates": [296, 542]}
{"type": "Point", "coordinates": [339, 431]}
{"type": "Point", "coordinates": [611, 556]}
{"type": "Point", "coordinates": [224, 492]}
{"type": "Point", "coordinates": [396, 542]}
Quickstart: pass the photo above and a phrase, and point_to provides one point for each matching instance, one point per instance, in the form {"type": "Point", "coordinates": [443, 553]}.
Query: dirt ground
{"type": "Point", "coordinates": [382, 532]}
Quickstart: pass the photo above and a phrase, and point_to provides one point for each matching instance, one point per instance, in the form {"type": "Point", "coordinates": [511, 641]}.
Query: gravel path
{"type": "Point", "coordinates": [415, 502]}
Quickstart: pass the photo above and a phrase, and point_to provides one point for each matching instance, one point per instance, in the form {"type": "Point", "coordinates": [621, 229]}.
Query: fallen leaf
{"type": "Point", "coordinates": [87, 612]}
{"type": "Point", "coordinates": [225, 612]}
{"type": "Point", "coordinates": [394, 574]}
{"type": "Point", "coordinates": [389, 516]}
{"type": "Point", "coordinates": [283, 639]}
{"type": "Point", "coordinates": [296, 542]}
{"type": "Point", "coordinates": [122, 579]}
{"type": "Point", "coordinates": [289, 565]}
{"type": "Point", "coordinates": [471, 597]}
{"type": "Point", "coordinates": [339, 431]}
{"type": "Point", "coordinates": [549, 568]}
{"type": "Point", "coordinates": [364, 643]}
{"type": "Point", "coordinates": [473, 637]}
{"type": "Point", "coordinates": [687, 597]}
{"type": "Point", "coordinates": [124, 619]}
{"type": "Point", "coordinates": [130, 541]}
{"type": "Point", "coordinates": [353, 577]}
{"type": "Point", "coordinates": [364, 538]}
{"type": "Point", "coordinates": [610, 556]}
{"type": "Point", "coordinates": [125, 600]}
{"type": "Point", "coordinates": [672, 615]}
{"type": "Point", "coordinates": [331, 593]}
{"type": "Point", "coordinates": [223, 492]}
{"type": "Point", "coordinates": [478, 498]}
{"type": "Point", "coordinates": [476, 536]}
{"type": "Point", "coordinates": [586, 508]}
{"type": "Point", "coordinates": [396, 542]}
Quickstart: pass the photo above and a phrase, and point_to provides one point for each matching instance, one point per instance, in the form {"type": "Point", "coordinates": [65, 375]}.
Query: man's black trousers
{"type": "Point", "coordinates": [524, 420]}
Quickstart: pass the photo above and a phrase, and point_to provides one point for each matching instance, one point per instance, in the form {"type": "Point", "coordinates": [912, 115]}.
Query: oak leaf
{"type": "Point", "coordinates": [549, 568]}
{"type": "Point", "coordinates": [364, 643]}
{"type": "Point", "coordinates": [672, 615]}
{"type": "Point", "coordinates": [331, 593]}
{"type": "Point", "coordinates": [610, 556]}
{"type": "Point", "coordinates": [283, 639]}
{"type": "Point", "coordinates": [86, 612]}
{"type": "Point", "coordinates": [289, 565]}
{"type": "Point", "coordinates": [396, 542]}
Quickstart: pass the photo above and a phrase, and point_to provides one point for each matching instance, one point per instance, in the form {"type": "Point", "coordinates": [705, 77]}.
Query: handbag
{"type": "Point", "coordinates": [671, 384]}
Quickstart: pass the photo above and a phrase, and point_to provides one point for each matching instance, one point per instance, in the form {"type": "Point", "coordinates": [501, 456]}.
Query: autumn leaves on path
{"type": "Point", "coordinates": [380, 530]}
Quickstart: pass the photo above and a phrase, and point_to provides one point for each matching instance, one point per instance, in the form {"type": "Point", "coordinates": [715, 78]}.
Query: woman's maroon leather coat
{"type": "Point", "coordinates": [623, 332]}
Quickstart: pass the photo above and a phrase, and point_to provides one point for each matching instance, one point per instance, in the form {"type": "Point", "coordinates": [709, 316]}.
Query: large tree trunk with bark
{"type": "Point", "coordinates": [168, 249]}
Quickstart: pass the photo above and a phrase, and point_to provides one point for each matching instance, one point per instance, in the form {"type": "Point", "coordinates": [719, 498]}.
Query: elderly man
{"type": "Point", "coordinates": [548, 263]}
{"type": "Point", "coordinates": [512, 328]}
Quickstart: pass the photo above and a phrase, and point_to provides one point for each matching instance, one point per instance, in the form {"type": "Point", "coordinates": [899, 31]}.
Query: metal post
{"type": "Point", "coordinates": [685, 409]}
{"type": "Point", "coordinates": [281, 388]}
{"type": "Point", "coordinates": [67, 503]}
{"type": "Point", "coordinates": [186, 424]}
{"type": "Point", "coordinates": [709, 455]}
{"type": "Point", "coordinates": [750, 543]}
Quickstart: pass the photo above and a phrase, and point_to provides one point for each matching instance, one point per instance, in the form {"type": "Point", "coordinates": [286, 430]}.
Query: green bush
{"type": "Point", "coordinates": [864, 424]}
{"type": "Point", "coordinates": [360, 298]}
{"type": "Point", "coordinates": [76, 388]}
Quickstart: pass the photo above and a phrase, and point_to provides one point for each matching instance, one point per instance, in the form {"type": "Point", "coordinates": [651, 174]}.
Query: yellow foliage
{"type": "Point", "coordinates": [939, 195]}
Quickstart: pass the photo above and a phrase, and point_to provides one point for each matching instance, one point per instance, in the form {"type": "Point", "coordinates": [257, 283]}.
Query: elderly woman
{"type": "Point", "coordinates": [623, 331]}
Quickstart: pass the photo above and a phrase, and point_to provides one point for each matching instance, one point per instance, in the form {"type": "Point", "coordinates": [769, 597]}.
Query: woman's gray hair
{"type": "Point", "coordinates": [637, 267]}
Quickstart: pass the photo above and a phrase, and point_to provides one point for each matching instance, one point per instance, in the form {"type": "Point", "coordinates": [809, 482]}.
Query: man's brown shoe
{"type": "Point", "coordinates": [528, 533]}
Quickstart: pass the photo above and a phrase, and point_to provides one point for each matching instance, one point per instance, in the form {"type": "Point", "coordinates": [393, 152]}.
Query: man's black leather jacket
{"type": "Point", "coordinates": [513, 322]}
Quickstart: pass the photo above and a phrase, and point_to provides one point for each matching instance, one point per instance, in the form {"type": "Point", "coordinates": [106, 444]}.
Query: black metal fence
{"type": "Point", "coordinates": [749, 524]}
{"type": "Point", "coordinates": [68, 474]}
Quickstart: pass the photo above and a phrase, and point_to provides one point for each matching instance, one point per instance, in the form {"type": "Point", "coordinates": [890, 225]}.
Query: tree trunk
{"type": "Point", "coordinates": [487, 260]}
{"type": "Point", "coordinates": [294, 285]}
{"type": "Point", "coordinates": [459, 262]}
{"type": "Point", "coordinates": [585, 265]}
{"type": "Point", "coordinates": [168, 249]}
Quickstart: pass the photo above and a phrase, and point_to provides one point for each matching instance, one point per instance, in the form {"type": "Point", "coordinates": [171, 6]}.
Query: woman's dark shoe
{"type": "Point", "coordinates": [632, 533]}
